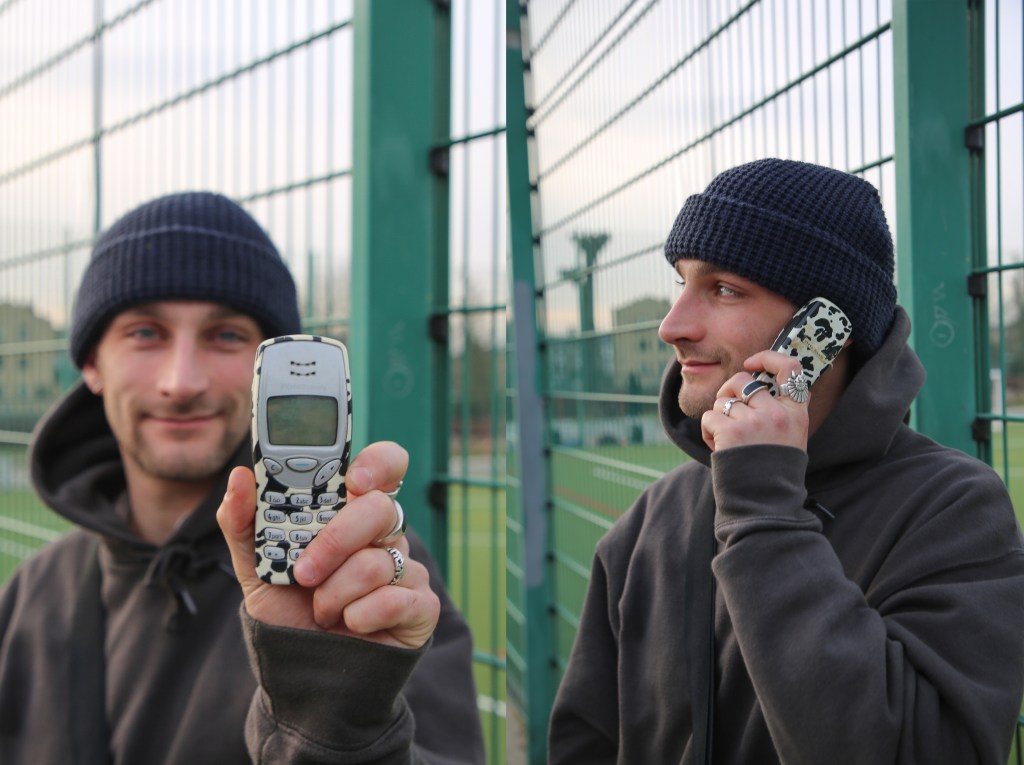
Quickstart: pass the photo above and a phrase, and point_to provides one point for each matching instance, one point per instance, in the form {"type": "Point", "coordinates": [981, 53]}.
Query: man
{"type": "Point", "coordinates": [122, 642]}
{"type": "Point", "coordinates": [821, 584]}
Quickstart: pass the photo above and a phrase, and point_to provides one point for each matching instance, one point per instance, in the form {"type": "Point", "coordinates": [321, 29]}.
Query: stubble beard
{"type": "Point", "coordinates": [694, 406]}
{"type": "Point", "coordinates": [698, 396]}
{"type": "Point", "coordinates": [183, 460]}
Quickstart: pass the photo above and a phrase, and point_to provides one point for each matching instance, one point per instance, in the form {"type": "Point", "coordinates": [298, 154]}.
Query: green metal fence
{"type": "Point", "coordinates": [629, 106]}
{"type": "Point", "coordinates": [368, 138]}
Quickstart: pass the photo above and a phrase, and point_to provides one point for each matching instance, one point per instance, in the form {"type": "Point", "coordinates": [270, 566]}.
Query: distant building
{"type": "Point", "coordinates": [640, 356]}
{"type": "Point", "coordinates": [30, 378]}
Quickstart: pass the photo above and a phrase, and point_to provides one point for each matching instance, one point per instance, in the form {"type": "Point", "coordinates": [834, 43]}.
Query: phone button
{"type": "Point", "coordinates": [301, 500]}
{"type": "Point", "coordinates": [302, 464]}
{"type": "Point", "coordinates": [273, 535]}
{"type": "Point", "coordinates": [330, 498]}
{"type": "Point", "coordinates": [325, 515]}
{"type": "Point", "coordinates": [274, 497]}
{"type": "Point", "coordinates": [324, 474]}
{"type": "Point", "coordinates": [301, 519]}
{"type": "Point", "coordinates": [301, 536]}
{"type": "Point", "coordinates": [273, 466]}
{"type": "Point", "coordinates": [274, 516]}
{"type": "Point", "coordinates": [294, 553]}
{"type": "Point", "coordinates": [273, 553]}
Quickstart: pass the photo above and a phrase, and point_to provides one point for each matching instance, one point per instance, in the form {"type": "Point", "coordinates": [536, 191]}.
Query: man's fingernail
{"type": "Point", "coordinates": [305, 571]}
{"type": "Point", "coordinates": [363, 477]}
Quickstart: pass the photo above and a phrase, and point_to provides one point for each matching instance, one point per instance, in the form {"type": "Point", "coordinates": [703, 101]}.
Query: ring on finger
{"type": "Point", "coordinates": [397, 531]}
{"type": "Point", "coordinates": [399, 560]}
{"type": "Point", "coordinates": [796, 387]}
{"type": "Point", "coordinates": [752, 388]}
{"type": "Point", "coordinates": [727, 406]}
{"type": "Point", "coordinates": [394, 492]}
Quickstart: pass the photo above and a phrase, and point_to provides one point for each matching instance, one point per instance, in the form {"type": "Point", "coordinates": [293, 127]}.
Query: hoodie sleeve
{"type": "Point", "coordinates": [920, 659]}
{"type": "Point", "coordinates": [324, 698]}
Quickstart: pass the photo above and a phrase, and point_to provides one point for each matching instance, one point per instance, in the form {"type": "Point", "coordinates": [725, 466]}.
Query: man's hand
{"type": "Point", "coordinates": [762, 419]}
{"type": "Point", "coordinates": [344, 576]}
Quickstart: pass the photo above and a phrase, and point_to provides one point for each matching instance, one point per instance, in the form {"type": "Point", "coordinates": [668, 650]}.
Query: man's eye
{"type": "Point", "coordinates": [230, 336]}
{"type": "Point", "coordinates": [143, 333]}
{"type": "Point", "coordinates": [726, 291]}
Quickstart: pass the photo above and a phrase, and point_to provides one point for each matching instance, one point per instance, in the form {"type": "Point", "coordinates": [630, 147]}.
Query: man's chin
{"type": "Point", "coordinates": [184, 464]}
{"type": "Point", "coordinates": [692, 407]}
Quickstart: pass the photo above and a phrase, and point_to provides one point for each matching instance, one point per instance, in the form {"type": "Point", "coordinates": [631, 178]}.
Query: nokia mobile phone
{"type": "Point", "coordinates": [815, 335]}
{"type": "Point", "coordinates": [301, 443]}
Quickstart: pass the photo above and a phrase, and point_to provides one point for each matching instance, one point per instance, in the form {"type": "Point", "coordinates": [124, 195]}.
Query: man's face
{"type": "Point", "coordinates": [175, 378]}
{"type": "Point", "coordinates": [717, 322]}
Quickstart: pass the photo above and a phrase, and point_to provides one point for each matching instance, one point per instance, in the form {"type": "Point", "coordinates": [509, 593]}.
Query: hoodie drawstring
{"type": "Point", "coordinates": [173, 567]}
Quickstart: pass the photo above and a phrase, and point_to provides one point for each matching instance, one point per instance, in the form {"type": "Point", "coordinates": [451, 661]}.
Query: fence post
{"type": "Point", "coordinates": [531, 651]}
{"type": "Point", "coordinates": [400, 244]}
{"type": "Point", "coordinates": [932, 73]}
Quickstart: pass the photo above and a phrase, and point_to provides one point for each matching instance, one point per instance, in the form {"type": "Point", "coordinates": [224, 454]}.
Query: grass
{"type": "Point", "coordinates": [476, 581]}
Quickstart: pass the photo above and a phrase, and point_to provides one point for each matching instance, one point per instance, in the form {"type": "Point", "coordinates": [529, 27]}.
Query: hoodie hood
{"type": "Point", "coordinates": [76, 465]}
{"type": "Point", "coordinates": [76, 470]}
{"type": "Point", "coordinates": [883, 388]}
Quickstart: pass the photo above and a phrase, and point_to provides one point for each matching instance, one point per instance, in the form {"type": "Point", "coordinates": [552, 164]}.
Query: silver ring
{"type": "Point", "coordinates": [727, 406]}
{"type": "Point", "coordinates": [394, 492]}
{"type": "Point", "coordinates": [399, 559]}
{"type": "Point", "coordinates": [796, 387]}
{"type": "Point", "coordinates": [398, 530]}
{"type": "Point", "coordinates": [752, 388]}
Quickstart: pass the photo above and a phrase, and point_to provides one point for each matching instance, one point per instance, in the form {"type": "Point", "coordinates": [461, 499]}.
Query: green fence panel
{"type": "Point", "coordinates": [531, 679]}
{"type": "Point", "coordinates": [993, 137]}
{"type": "Point", "coordinates": [933, 181]}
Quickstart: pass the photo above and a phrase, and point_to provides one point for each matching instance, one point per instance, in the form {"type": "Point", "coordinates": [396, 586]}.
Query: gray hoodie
{"type": "Point", "coordinates": [869, 599]}
{"type": "Point", "coordinates": [115, 650]}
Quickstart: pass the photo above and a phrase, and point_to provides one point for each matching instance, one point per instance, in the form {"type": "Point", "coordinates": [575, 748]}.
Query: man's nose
{"type": "Point", "coordinates": [682, 322]}
{"type": "Point", "coordinates": [183, 376]}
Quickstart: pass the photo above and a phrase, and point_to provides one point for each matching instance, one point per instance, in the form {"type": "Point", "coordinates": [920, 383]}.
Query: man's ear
{"type": "Point", "coordinates": [91, 375]}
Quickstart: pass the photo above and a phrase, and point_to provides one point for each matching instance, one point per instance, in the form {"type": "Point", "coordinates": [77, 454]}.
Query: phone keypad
{"type": "Point", "coordinates": [284, 515]}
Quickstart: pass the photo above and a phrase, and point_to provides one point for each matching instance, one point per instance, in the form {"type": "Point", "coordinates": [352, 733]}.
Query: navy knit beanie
{"type": "Point", "coordinates": [189, 246]}
{"type": "Point", "coordinates": [800, 230]}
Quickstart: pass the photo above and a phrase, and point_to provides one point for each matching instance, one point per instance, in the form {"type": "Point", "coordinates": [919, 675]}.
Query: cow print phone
{"type": "Point", "coordinates": [301, 441]}
{"type": "Point", "coordinates": [815, 335]}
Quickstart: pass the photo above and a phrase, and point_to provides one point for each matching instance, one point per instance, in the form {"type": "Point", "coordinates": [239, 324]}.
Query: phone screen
{"type": "Point", "coordinates": [302, 420]}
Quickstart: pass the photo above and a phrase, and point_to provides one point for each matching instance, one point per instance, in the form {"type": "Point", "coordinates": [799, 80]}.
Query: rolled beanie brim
{"type": "Point", "coordinates": [185, 263]}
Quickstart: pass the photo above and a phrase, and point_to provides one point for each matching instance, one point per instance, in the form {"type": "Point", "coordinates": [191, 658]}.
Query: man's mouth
{"type": "Point", "coordinates": [695, 366]}
{"type": "Point", "coordinates": [181, 421]}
